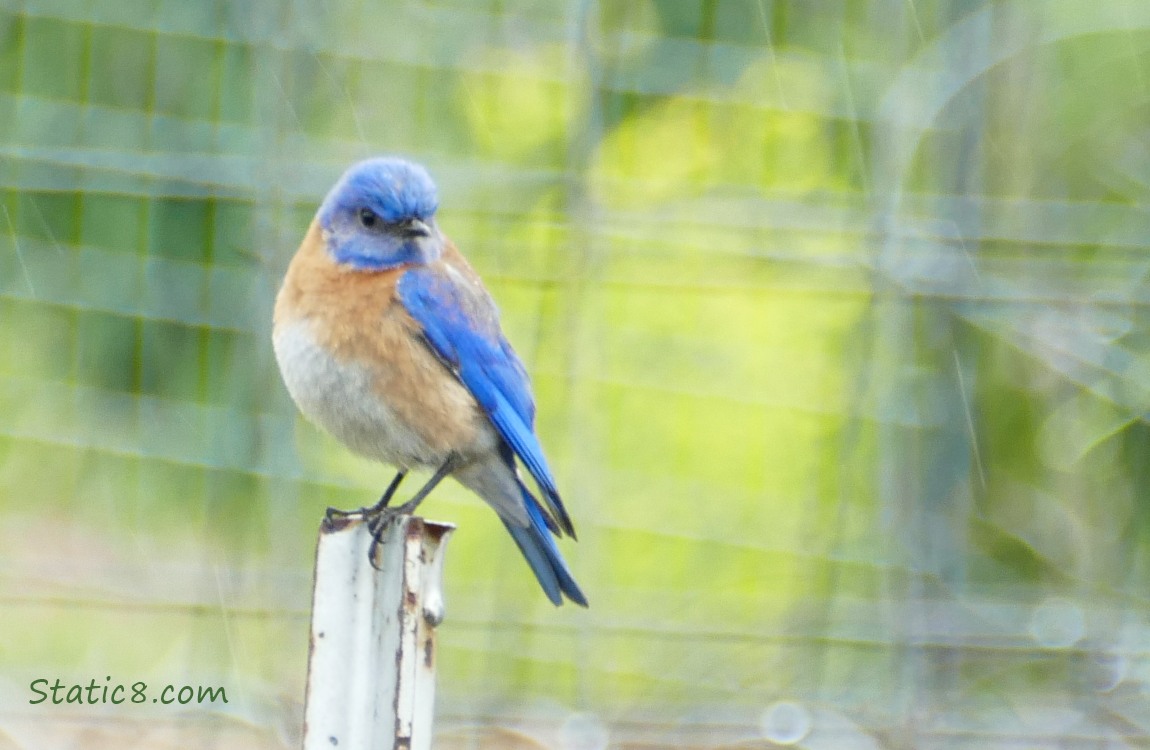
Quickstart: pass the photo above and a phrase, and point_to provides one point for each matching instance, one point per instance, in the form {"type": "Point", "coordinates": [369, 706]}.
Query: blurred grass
{"type": "Point", "coordinates": [834, 315]}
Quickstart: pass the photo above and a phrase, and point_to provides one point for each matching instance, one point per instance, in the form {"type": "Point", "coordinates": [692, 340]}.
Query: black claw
{"type": "Point", "coordinates": [376, 525]}
{"type": "Point", "coordinates": [333, 513]}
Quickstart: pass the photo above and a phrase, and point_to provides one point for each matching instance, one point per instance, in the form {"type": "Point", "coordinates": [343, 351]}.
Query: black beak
{"type": "Point", "coordinates": [415, 228]}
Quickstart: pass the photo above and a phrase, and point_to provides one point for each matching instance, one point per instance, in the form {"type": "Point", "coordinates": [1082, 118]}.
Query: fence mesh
{"type": "Point", "coordinates": [835, 313]}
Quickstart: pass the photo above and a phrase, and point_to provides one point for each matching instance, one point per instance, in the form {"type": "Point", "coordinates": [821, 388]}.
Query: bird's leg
{"type": "Point", "coordinates": [375, 509]}
{"type": "Point", "coordinates": [387, 494]}
{"type": "Point", "coordinates": [379, 516]}
{"type": "Point", "coordinates": [448, 466]}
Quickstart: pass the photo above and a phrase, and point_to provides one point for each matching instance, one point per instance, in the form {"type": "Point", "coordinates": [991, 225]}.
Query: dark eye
{"type": "Point", "coordinates": [368, 218]}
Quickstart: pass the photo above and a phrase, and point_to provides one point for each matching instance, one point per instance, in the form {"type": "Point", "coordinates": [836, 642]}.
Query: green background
{"type": "Point", "coordinates": [836, 315]}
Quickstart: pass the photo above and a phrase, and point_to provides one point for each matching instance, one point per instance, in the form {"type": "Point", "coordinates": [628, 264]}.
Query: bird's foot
{"type": "Point", "coordinates": [365, 514]}
{"type": "Point", "coordinates": [379, 516]}
{"type": "Point", "coordinates": [378, 520]}
{"type": "Point", "coordinates": [335, 518]}
{"type": "Point", "coordinates": [335, 513]}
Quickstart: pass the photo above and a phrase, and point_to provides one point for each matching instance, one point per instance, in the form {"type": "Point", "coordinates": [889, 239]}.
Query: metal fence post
{"type": "Point", "coordinates": [371, 667]}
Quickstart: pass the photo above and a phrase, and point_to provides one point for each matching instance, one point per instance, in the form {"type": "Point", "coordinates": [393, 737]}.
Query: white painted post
{"type": "Point", "coordinates": [371, 670]}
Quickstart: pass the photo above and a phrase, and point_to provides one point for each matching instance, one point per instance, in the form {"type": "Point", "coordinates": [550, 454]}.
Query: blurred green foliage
{"type": "Point", "coordinates": [835, 315]}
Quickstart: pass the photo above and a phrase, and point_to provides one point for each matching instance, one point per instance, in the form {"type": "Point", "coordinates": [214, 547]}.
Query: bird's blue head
{"type": "Point", "coordinates": [380, 215]}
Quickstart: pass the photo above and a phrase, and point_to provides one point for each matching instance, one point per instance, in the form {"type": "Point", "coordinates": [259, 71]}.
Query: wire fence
{"type": "Point", "coordinates": [835, 313]}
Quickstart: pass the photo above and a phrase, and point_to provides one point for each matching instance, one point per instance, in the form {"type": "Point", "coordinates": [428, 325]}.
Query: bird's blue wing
{"type": "Point", "coordinates": [461, 325]}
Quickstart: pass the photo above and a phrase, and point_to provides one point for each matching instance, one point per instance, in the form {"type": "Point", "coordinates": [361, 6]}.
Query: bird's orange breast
{"type": "Point", "coordinates": [356, 318]}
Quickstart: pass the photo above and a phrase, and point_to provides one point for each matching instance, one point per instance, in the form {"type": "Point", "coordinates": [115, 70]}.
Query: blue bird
{"type": "Point", "coordinates": [387, 339]}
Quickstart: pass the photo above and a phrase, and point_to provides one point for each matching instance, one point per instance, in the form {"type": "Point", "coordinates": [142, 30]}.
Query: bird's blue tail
{"type": "Point", "coordinates": [538, 546]}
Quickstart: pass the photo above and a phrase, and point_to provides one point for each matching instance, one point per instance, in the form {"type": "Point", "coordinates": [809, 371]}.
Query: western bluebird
{"type": "Point", "coordinates": [387, 339]}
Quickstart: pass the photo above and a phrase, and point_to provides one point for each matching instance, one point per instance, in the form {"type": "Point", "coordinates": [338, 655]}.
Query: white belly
{"type": "Point", "coordinates": [340, 398]}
